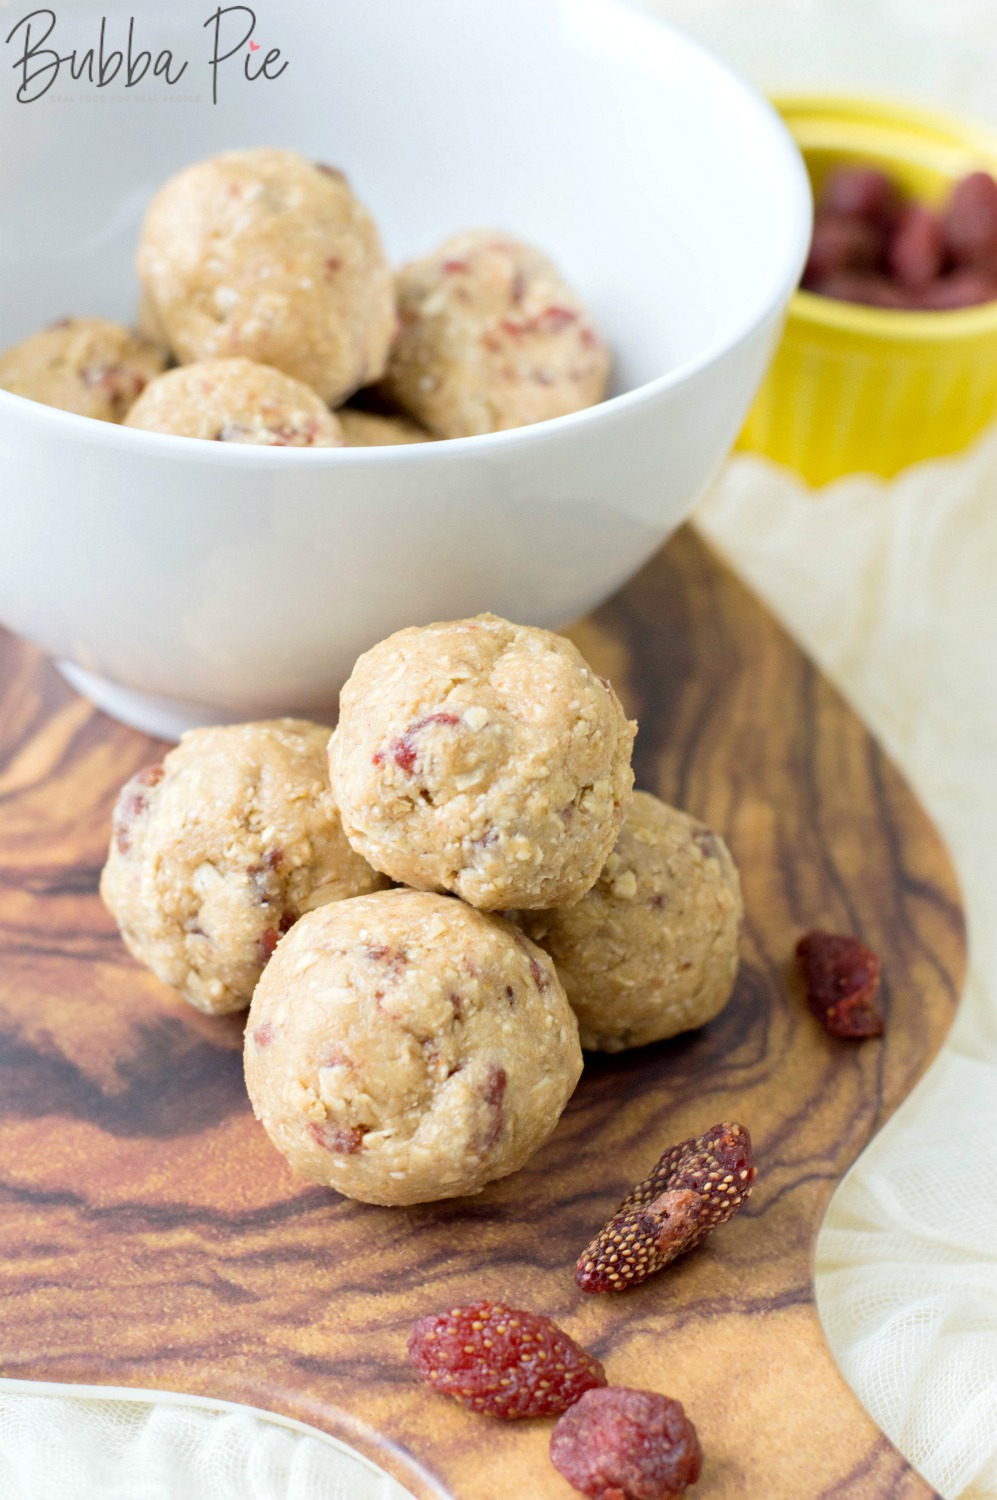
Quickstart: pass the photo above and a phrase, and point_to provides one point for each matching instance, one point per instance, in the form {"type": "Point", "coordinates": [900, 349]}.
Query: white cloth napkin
{"type": "Point", "coordinates": [84, 1443]}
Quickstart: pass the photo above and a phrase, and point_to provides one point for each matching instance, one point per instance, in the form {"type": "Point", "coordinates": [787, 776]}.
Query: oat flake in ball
{"type": "Point", "coordinates": [402, 1047]}
{"type": "Point", "coordinates": [483, 758]}
{"type": "Point", "coordinates": [218, 851]}
{"type": "Point", "coordinates": [266, 255]}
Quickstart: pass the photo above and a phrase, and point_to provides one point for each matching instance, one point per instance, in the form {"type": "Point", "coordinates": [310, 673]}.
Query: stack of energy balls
{"type": "Point", "coordinates": [265, 282]}
{"type": "Point", "coordinates": [432, 911]}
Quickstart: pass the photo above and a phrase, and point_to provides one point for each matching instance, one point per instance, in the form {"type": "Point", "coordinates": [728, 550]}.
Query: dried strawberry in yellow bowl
{"type": "Point", "coordinates": [889, 355]}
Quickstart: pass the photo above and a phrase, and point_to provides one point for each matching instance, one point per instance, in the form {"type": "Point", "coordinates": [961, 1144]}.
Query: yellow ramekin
{"type": "Point", "coordinates": [862, 389]}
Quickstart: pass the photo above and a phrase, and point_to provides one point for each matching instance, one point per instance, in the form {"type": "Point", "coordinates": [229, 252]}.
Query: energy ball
{"type": "Point", "coordinates": [236, 401]}
{"type": "Point", "coordinates": [84, 365]}
{"type": "Point", "coordinates": [268, 256]}
{"type": "Point", "coordinates": [651, 951]}
{"type": "Point", "coordinates": [491, 338]}
{"type": "Point", "coordinates": [368, 429]}
{"type": "Point", "coordinates": [403, 1047]}
{"type": "Point", "coordinates": [218, 851]}
{"type": "Point", "coordinates": [482, 758]}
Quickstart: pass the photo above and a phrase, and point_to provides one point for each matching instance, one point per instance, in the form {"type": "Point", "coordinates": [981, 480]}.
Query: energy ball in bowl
{"type": "Point", "coordinates": [403, 1047]}
{"type": "Point", "coordinates": [268, 256]}
{"type": "Point", "coordinates": [491, 338]}
{"type": "Point", "coordinates": [368, 429]}
{"type": "Point", "coordinates": [218, 851]}
{"type": "Point", "coordinates": [236, 401]}
{"type": "Point", "coordinates": [84, 365]}
{"type": "Point", "coordinates": [482, 758]}
{"type": "Point", "coordinates": [651, 951]}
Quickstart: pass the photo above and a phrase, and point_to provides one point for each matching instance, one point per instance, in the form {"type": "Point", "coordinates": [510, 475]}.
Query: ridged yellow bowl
{"type": "Point", "coordinates": [862, 389]}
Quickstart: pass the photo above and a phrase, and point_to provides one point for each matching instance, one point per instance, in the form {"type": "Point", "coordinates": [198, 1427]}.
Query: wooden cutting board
{"type": "Point", "coordinates": [151, 1236]}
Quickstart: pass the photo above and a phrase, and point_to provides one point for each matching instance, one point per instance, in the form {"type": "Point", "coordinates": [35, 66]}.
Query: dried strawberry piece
{"type": "Point", "coordinates": [502, 1361]}
{"type": "Point", "coordinates": [551, 321]}
{"type": "Point", "coordinates": [494, 1095]}
{"type": "Point", "coordinates": [841, 244]}
{"type": "Point", "coordinates": [341, 1140]}
{"type": "Point", "coordinates": [133, 800]}
{"type": "Point", "coordinates": [861, 193]}
{"type": "Point", "coordinates": [842, 977]}
{"type": "Point", "coordinates": [269, 939]}
{"type": "Point", "coordinates": [917, 250]}
{"type": "Point", "coordinates": [963, 288]}
{"type": "Point", "coordinates": [619, 1444]}
{"type": "Point", "coordinates": [403, 748]}
{"type": "Point", "coordinates": [971, 221]}
{"type": "Point", "coordinates": [694, 1187]}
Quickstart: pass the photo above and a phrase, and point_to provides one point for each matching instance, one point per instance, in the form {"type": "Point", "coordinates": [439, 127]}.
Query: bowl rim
{"type": "Point", "coordinates": [783, 278]}
{"type": "Point", "coordinates": [890, 111]}
{"type": "Point", "coordinates": [886, 109]}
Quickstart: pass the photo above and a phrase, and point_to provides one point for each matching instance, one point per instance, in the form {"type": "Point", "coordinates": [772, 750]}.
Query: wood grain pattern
{"type": "Point", "coordinates": [151, 1236]}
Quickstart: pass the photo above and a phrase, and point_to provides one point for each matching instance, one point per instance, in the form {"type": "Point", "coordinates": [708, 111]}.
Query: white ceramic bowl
{"type": "Point", "coordinates": [182, 582]}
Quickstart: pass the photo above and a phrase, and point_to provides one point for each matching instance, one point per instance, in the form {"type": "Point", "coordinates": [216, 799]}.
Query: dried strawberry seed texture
{"type": "Point", "coordinates": [693, 1188]}
{"type": "Point", "coordinates": [502, 1361]}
